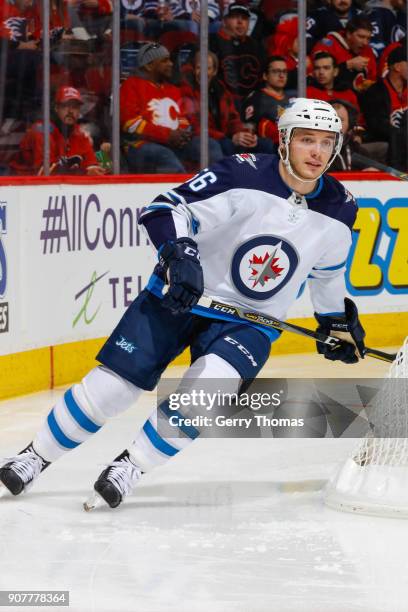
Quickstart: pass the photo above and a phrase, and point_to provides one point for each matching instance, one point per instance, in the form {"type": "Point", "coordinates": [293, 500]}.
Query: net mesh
{"type": "Point", "coordinates": [374, 480]}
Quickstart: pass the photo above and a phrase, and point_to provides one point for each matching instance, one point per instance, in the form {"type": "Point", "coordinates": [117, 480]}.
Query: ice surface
{"type": "Point", "coordinates": [228, 525]}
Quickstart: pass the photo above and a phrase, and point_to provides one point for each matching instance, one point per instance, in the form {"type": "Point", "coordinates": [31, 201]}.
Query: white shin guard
{"type": "Point", "coordinates": [83, 410]}
{"type": "Point", "coordinates": [106, 394]}
{"type": "Point", "coordinates": [150, 449]}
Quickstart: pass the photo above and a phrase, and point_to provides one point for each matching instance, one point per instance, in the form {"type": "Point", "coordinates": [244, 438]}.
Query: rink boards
{"type": "Point", "coordinates": [72, 258]}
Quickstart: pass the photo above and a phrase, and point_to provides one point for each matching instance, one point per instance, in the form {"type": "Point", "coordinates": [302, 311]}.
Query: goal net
{"type": "Point", "coordinates": [374, 480]}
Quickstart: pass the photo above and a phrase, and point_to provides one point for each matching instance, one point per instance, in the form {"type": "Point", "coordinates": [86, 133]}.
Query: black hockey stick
{"type": "Point", "coordinates": [362, 159]}
{"type": "Point", "coordinates": [264, 320]}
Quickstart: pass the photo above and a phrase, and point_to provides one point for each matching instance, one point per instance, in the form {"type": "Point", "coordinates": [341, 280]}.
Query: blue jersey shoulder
{"type": "Point", "coordinates": [259, 172]}
{"type": "Point", "coordinates": [335, 201]}
{"type": "Point", "coordinates": [243, 171]}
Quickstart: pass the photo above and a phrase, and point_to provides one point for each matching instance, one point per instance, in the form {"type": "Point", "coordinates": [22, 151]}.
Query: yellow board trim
{"type": "Point", "coordinates": [22, 373]}
{"type": "Point", "coordinates": [50, 367]}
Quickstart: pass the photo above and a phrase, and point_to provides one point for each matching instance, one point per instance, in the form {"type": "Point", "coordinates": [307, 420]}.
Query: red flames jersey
{"type": "Point", "coordinates": [29, 160]}
{"type": "Point", "coordinates": [149, 111]}
{"type": "Point", "coordinates": [336, 45]}
{"type": "Point", "coordinates": [19, 25]}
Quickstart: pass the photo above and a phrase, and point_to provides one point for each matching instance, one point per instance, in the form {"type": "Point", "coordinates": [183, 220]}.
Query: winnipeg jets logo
{"type": "Point", "coordinates": [262, 266]}
{"type": "Point", "coordinates": [265, 268]}
{"type": "Point", "coordinates": [249, 158]}
{"type": "Point", "coordinates": [165, 112]}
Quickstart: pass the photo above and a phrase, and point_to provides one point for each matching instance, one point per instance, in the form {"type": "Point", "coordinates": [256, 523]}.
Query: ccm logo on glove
{"type": "Point", "coordinates": [181, 261]}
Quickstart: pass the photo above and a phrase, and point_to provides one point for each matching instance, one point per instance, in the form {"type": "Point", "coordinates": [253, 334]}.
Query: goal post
{"type": "Point", "coordinates": [374, 479]}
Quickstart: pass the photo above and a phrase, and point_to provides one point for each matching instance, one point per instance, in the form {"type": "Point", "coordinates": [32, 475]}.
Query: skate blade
{"type": "Point", "coordinates": [94, 501]}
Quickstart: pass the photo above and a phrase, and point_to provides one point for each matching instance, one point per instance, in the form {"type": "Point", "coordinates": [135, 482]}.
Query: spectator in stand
{"type": "Point", "coordinates": [385, 106]}
{"type": "Point", "coordinates": [263, 107]}
{"type": "Point", "coordinates": [352, 140]}
{"type": "Point", "coordinates": [90, 73]}
{"type": "Point", "coordinates": [20, 54]}
{"type": "Point", "coordinates": [239, 55]}
{"type": "Point", "coordinates": [323, 84]}
{"type": "Point", "coordinates": [188, 11]}
{"type": "Point", "coordinates": [383, 63]}
{"type": "Point", "coordinates": [156, 132]}
{"type": "Point", "coordinates": [353, 54]}
{"type": "Point", "coordinates": [273, 9]}
{"type": "Point", "coordinates": [60, 24]}
{"type": "Point", "coordinates": [71, 150]}
{"type": "Point", "coordinates": [388, 19]}
{"type": "Point", "coordinates": [90, 18]}
{"type": "Point", "coordinates": [155, 17]}
{"type": "Point", "coordinates": [136, 15]}
{"type": "Point", "coordinates": [284, 42]}
{"type": "Point", "coordinates": [330, 18]}
{"type": "Point", "coordinates": [20, 23]}
{"type": "Point", "coordinates": [227, 133]}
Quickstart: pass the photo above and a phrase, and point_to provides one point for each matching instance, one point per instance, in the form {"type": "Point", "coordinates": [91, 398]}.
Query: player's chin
{"type": "Point", "coordinates": [311, 171]}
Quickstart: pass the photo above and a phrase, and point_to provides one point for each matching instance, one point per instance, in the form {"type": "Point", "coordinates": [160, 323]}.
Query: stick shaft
{"type": "Point", "coordinates": [260, 319]}
{"type": "Point", "coordinates": [357, 157]}
{"type": "Point", "coordinates": [376, 354]}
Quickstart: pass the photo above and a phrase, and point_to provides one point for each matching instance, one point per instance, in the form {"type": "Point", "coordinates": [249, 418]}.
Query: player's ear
{"type": "Point", "coordinates": [336, 71]}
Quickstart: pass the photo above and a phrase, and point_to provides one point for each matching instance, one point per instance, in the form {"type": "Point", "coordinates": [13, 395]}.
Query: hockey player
{"type": "Point", "coordinates": [211, 234]}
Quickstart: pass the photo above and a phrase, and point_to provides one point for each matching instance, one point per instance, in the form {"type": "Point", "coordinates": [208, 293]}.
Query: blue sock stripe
{"type": "Point", "coordinates": [80, 417]}
{"type": "Point", "coordinates": [58, 434]}
{"type": "Point", "coordinates": [158, 442]}
{"type": "Point", "coordinates": [189, 430]}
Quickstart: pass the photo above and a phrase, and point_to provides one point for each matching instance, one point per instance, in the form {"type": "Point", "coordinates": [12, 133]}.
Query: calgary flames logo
{"type": "Point", "coordinates": [265, 268]}
{"type": "Point", "coordinates": [165, 112]}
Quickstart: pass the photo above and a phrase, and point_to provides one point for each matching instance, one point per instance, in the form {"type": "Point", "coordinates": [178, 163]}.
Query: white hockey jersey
{"type": "Point", "coordinates": [259, 241]}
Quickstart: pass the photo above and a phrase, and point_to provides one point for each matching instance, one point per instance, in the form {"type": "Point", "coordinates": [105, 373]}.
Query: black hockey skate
{"type": "Point", "coordinates": [19, 472]}
{"type": "Point", "coordinates": [115, 482]}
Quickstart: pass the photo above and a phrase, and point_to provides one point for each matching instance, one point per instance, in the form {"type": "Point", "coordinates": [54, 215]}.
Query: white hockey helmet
{"type": "Point", "coordinates": [311, 114]}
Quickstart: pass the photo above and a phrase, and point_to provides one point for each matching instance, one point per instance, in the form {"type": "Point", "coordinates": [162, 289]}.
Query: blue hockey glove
{"type": "Point", "coordinates": [346, 328]}
{"type": "Point", "coordinates": [181, 260]}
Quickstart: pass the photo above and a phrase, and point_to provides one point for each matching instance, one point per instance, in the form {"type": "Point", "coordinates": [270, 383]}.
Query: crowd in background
{"type": "Point", "coordinates": [356, 60]}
